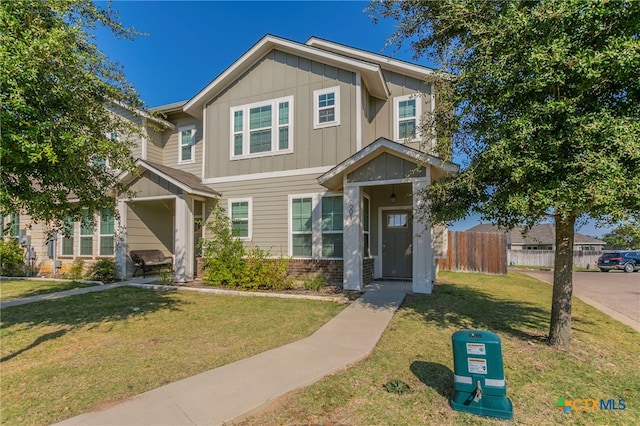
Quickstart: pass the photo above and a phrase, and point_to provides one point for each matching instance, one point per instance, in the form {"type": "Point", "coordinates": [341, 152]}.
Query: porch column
{"type": "Point", "coordinates": [352, 239]}
{"type": "Point", "coordinates": [183, 248]}
{"type": "Point", "coordinates": [423, 256]}
{"type": "Point", "coordinates": [120, 240]}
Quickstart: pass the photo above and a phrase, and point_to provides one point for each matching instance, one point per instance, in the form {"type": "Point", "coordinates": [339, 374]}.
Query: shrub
{"type": "Point", "coordinates": [11, 258]}
{"type": "Point", "coordinates": [227, 263]}
{"type": "Point", "coordinates": [76, 270]}
{"type": "Point", "coordinates": [103, 270]}
{"type": "Point", "coordinates": [223, 255]}
{"type": "Point", "coordinates": [314, 284]}
{"type": "Point", "coordinates": [263, 271]}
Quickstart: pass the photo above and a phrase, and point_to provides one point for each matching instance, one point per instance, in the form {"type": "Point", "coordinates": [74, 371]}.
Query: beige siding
{"type": "Point", "coordinates": [270, 204]}
{"type": "Point", "coordinates": [151, 185]}
{"type": "Point", "coordinates": [278, 75]}
{"type": "Point", "coordinates": [385, 167]}
{"type": "Point", "coordinates": [149, 226]}
{"type": "Point", "coordinates": [170, 144]}
{"type": "Point", "coordinates": [380, 114]}
{"type": "Point", "coordinates": [155, 145]}
{"type": "Point", "coordinates": [132, 140]}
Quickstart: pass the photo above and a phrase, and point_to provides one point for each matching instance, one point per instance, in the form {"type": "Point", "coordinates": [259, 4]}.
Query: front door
{"type": "Point", "coordinates": [397, 238]}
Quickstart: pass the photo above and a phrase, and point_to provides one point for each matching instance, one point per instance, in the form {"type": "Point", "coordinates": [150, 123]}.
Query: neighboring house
{"type": "Point", "coordinates": [315, 151]}
{"type": "Point", "coordinates": [540, 237]}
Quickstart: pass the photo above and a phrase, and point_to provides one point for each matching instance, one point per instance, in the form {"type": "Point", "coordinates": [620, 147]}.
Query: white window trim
{"type": "Point", "coordinates": [275, 129]}
{"type": "Point", "coordinates": [396, 117]}
{"type": "Point", "coordinates": [316, 108]}
{"type": "Point", "coordinates": [193, 144]}
{"type": "Point", "coordinates": [93, 240]}
{"type": "Point", "coordinates": [100, 235]}
{"type": "Point", "coordinates": [250, 215]}
{"type": "Point", "coordinates": [332, 232]}
{"type": "Point", "coordinates": [366, 231]}
{"type": "Point", "coordinates": [316, 227]}
{"type": "Point", "coordinates": [75, 234]}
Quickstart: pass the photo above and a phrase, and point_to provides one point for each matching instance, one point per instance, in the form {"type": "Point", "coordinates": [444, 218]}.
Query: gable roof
{"type": "Point", "coordinates": [187, 182]}
{"type": "Point", "coordinates": [386, 62]}
{"type": "Point", "coordinates": [544, 234]}
{"type": "Point", "coordinates": [371, 73]}
{"type": "Point", "coordinates": [333, 178]}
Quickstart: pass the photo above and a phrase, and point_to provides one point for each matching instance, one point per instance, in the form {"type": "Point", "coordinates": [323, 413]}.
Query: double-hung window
{"type": "Point", "coordinates": [326, 107]}
{"type": "Point", "coordinates": [186, 144]}
{"type": "Point", "coordinates": [332, 219]}
{"type": "Point", "coordinates": [67, 237]}
{"type": "Point", "coordinates": [240, 215]}
{"type": "Point", "coordinates": [86, 234]}
{"type": "Point", "coordinates": [302, 227]}
{"type": "Point", "coordinates": [407, 111]}
{"type": "Point", "coordinates": [262, 128]}
{"type": "Point", "coordinates": [107, 233]}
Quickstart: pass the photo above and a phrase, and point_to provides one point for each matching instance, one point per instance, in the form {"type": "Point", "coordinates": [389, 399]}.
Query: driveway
{"type": "Point", "coordinates": [615, 293]}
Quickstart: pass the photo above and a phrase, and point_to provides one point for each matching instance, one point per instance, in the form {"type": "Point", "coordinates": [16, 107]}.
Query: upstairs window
{"type": "Point", "coordinates": [263, 128]}
{"type": "Point", "coordinates": [326, 108]}
{"type": "Point", "coordinates": [186, 142]}
{"type": "Point", "coordinates": [407, 111]}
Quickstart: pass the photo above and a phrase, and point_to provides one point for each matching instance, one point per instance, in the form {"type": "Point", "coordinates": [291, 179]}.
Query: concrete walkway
{"type": "Point", "coordinates": [235, 390]}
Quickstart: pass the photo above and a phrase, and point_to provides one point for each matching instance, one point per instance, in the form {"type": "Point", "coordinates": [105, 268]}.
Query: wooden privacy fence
{"type": "Point", "coordinates": [584, 259]}
{"type": "Point", "coordinates": [476, 252]}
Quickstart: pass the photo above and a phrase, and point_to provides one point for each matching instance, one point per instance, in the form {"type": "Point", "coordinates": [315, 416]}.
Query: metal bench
{"type": "Point", "coordinates": [147, 259]}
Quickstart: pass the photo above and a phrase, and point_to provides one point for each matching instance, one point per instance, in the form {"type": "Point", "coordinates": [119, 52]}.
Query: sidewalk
{"type": "Point", "coordinates": [237, 389]}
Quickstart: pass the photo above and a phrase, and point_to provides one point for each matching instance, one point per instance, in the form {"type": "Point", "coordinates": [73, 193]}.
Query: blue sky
{"type": "Point", "coordinates": [188, 43]}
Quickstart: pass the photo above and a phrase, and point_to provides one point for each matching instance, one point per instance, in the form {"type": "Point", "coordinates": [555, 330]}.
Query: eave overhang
{"type": "Point", "coordinates": [333, 179]}
{"type": "Point", "coordinates": [370, 73]}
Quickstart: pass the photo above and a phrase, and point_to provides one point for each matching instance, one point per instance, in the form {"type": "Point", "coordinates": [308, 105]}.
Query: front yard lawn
{"type": "Point", "coordinates": [416, 348]}
{"type": "Point", "coordinates": [62, 357]}
{"type": "Point", "coordinates": [14, 289]}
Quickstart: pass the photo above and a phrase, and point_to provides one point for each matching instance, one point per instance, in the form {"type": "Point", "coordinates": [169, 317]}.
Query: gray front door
{"type": "Point", "coordinates": [397, 238]}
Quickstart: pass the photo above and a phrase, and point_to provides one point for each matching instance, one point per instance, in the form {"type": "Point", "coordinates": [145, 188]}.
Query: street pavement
{"type": "Point", "coordinates": [616, 293]}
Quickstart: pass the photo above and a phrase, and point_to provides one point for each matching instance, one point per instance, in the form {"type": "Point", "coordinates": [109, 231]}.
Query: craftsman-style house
{"type": "Point", "coordinates": [315, 151]}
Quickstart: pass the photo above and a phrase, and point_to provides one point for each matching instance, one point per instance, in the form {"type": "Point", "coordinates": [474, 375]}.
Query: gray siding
{"type": "Point", "coordinates": [270, 204]}
{"type": "Point", "coordinates": [170, 144]}
{"type": "Point", "coordinates": [155, 145]}
{"type": "Point", "coordinates": [277, 75]}
{"type": "Point", "coordinates": [151, 185]}
{"type": "Point", "coordinates": [379, 121]}
{"type": "Point", "coordinates": [385, 167]}
{"type": "Point", "coordinates": [149, 226]}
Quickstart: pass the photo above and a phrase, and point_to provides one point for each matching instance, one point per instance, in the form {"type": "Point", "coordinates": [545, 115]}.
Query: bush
{"type": "Point", "coordinates": [103, 270]}
{"type": "Point", "coordinates": [227, 263]}
{"type": "Point", "coordinates": [11, 258]}
{"type": "Point", "coordinates": [314, 284]}
{"type": "Point", "coordinates": [76, 271]}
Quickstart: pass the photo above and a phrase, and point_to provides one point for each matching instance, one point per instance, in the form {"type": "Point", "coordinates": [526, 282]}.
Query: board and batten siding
{"type": "Point", "coordinates": [151, 185]}
{"type": "Point", "coordinates": [154, 146]}
{"type": "Point", "coordinates": [278, 75]}
{"type": "Point", "coordinates": [170, 143]}
{"type": "Point", "coordinates": [379, 114]}
{"type": "Point", "coordinates": [270, 207]}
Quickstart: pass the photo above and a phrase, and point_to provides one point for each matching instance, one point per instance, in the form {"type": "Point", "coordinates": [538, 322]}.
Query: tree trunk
{"type": "Point", "coordinates": [560, 330]}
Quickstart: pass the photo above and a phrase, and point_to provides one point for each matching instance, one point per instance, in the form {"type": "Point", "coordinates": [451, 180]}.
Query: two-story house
{"type": "Point", "coordinates": [315, 151]}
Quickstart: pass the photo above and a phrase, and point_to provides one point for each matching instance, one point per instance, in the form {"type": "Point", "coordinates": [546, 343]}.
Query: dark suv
{"type": "Point", "coordinates": [628, 261]}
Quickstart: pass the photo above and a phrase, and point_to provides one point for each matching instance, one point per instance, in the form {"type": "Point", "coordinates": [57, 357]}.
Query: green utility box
{"type": "Point", "coordinates": [479, 384]}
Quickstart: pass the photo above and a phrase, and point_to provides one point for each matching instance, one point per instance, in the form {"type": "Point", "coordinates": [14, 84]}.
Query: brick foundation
{"type": "Point", "coordinates": [330, 269]}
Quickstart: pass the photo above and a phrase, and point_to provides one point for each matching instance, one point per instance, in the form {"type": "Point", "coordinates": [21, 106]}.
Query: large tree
{"type": "Point", "coordinates": [544, 98]}
{"type": "Point", "coordinates": [59, 93]}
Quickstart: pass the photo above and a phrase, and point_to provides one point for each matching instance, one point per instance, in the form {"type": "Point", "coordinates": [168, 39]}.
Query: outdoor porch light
{"type": "Point", "coordinates": [393, 194]}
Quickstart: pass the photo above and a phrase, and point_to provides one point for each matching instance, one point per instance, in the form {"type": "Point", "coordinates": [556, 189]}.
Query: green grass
{"type": "Point", "coordinates": [62, 357]}
{"type": "Point", "coordinates": [14, 289]}
{"type": "Point", "coordinates": [416, 349]}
